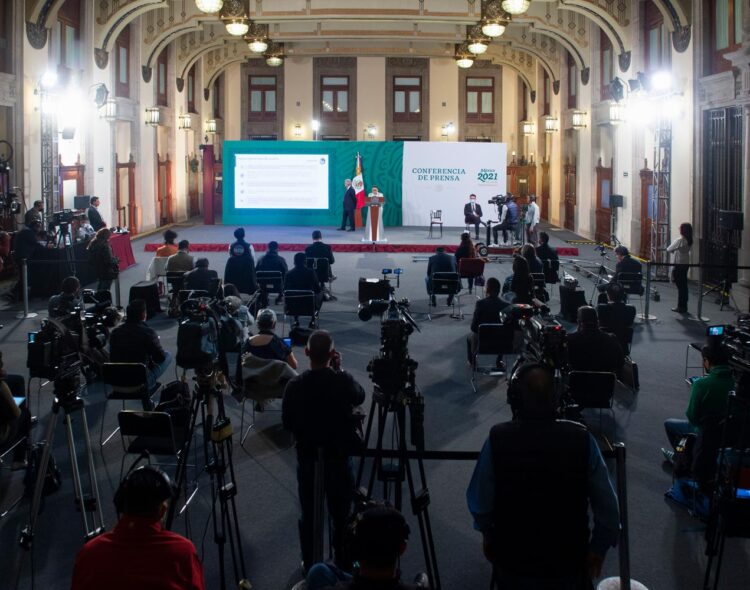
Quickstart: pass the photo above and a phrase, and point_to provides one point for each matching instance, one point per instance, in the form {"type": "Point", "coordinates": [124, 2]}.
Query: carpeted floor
{"type": "Point", "coordinates": [666, 544]}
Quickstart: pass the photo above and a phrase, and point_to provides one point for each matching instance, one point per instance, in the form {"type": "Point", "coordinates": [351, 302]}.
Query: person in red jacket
{"type": "Point", "coordinates": [139, 552]}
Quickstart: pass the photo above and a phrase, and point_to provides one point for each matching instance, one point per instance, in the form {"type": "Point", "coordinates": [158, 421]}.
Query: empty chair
{"type": "Point", "coordinates": [322, 268]}
{"type": "Point", "coordinates": [471, 268]}
{"type": "Point", "coordinates": [492, 339]}
{"type": "Point", "coordinates": [592, 390]}
{"type": "Point", "coordinates": [445, 283]}
{"type": "Point", "coordinates": [551, 270]}
{"type": "Point", "coordinates": [129, 382]}
{"type": "Point", "coordinates": [152, 433]}
{"type": "Point", "coordinates": [300, 303]}
{"type": "Point", "coordinates": [540, 286]}
{"type": "Point", "coordinates": [269, 282]}
{"type": "Point", "coordinates": [436, 218]}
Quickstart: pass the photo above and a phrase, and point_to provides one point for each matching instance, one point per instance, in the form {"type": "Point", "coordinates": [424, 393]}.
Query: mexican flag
{"type": "Point", "coordinates": [358, 183]}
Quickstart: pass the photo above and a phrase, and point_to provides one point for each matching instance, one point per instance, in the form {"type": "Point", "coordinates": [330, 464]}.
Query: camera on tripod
{"type": "Point", "coordinates": [736, 340]}
{"type": "Point", "coordinates": [53, 352]}
{"type": "Point", "coordinates": [498, 200]}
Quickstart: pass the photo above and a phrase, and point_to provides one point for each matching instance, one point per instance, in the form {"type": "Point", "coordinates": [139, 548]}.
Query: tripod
{"type": "Point", "coordinates": [393, 474]}
{"type": "Point", "coordinates": [66, 398]}
{"type": "Point", "coordinates": [217, 451]}
{"type": "Point", "coordinates": [600, 280]}
{"type": "Point", "coordinates": [65, 241]}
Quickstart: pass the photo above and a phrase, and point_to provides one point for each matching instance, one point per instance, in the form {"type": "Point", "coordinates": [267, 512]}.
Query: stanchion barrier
{"type": "Point", "coordinates": [700, 317]}
{"type": "Point", "coordinates": [25, 314]}
{"type": "Point", "coordinates": [117, 290]}
{"type": "Point", "coordinates": [646, 316]}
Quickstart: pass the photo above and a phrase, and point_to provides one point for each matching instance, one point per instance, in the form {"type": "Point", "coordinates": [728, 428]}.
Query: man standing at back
{"type": "Point", "coordinates": [317, 410]}
{"type": "Point", "coordinates": [95, 218]}
{"type": "Point", "coordinates": [350, 206]}
{"type": "Point", "coordinates": [531, 491]}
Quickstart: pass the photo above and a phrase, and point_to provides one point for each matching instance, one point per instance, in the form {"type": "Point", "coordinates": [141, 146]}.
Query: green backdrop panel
{"type": "Point", "coordinates": [381, 166]}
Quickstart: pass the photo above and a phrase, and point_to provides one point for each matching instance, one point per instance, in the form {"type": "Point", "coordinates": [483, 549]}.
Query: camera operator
{"type": "Point", "coordinates": [473, 214]}
{"type": "Point", "coordinates": [377, 540]}
{"type": "Point", "coordinates": [67, 300]}
{"type": "Point", "coordinates": [531, 490]}
{"type": "Point", "coordinates": [139, 552]}
{"type": "Point", "coordinates": [15, 419]}
{"type": "Point", "coordinates": [135, 342]}
{"type": "Point", "coordinates": [503, 222]}
{"type": "Point", "coordinates": [36, 212]}
{"type": "Point", "coordinates": [590, 349]}
{"type": "Point", "coordinates": [317, 410]}
{"type": "Point", "coordinates": [708, 397]}
{"type": "Point", "coordinates": [486, 311]}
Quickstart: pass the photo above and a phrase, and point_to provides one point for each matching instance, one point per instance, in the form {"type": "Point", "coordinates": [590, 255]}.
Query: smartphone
{"type": "Point", "coordinates": [288, 342]}
{"type": "Point", "coordinates": [32, 337]}
{"type": "Point", "coordinates": [743, 494]}
{"type": "Point", "coordinates": [716, 330]}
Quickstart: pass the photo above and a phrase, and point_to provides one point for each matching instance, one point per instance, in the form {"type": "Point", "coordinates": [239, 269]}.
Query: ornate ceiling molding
{"type": "Point", "coordinates": [121, 18]}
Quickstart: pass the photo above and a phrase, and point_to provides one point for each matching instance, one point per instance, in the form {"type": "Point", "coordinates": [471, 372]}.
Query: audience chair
{"type": "Point", "coordinates": [492, 339]}
{"type": "Point", "coordinates": [632, 285]}
{"type": "Point", "coordinates": [471, 268]}
{"type": "Point", "coordinates": [540, 286]}
{"type": "Point", "coordinates": [251, 425]}
{"type": "Point", "coordinates": [436, 218]}
{"type": "Point", "coordinates": [593, 390]}
{"type": "Point", "coordinates": [322, 269]}
{"type": "Point", "coordinates": [446, 283]}
{"type": "Point", "coordinates": [270, 282]}
{"type": "Point", "coordinates": [551, 271]}
{"type": "Point", "coordinates": [129, 382]}
{"type": "Point", "coordinates": [157, 270]}
{"type": "Point", "coordinates": [174, 286]}
{"type": "Point", "coordinates": [299, 303]}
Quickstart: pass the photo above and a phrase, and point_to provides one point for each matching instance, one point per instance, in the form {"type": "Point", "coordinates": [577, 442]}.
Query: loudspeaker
{"type": "Point", "coordinates": [615, 201]}
{"type": "Point", "coordinates": [81, 202]}
{"type": "Point", "coordinates": [731, 220]}
{"type": "Point", "coordinates": [68, 132]}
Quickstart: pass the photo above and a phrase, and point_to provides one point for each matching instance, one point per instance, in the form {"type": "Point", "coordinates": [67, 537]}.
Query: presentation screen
{"type": "Point", "coordinates": [281, 181]}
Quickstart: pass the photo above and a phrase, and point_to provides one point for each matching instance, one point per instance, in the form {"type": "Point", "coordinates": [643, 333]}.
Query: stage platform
{"type": "Point", "coordinates": [216, 238]}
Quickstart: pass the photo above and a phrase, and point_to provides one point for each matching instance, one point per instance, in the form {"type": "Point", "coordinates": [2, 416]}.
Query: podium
{"type": "Point", "coordinates": [374, 228]}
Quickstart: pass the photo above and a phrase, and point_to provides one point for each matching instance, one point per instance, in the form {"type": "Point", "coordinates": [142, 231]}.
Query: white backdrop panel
{"type": "Point", "coordinates": [442, 175]}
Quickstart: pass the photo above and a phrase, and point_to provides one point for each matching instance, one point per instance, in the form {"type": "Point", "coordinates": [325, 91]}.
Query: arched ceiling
{"type": "Point", "coordinates": [425, 28]}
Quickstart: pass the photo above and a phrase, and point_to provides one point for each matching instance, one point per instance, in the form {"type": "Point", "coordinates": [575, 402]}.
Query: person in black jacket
{"type": "Point", "coordinates": [102, 259]}
{"type": "Point", "coordinates": [135, 342]}
{"type": "Point", "coordinates": [350, 206]}
{"type": "Point", "coordinates": [439, 262]}
{"type": "Point", "coordinates": [272, 261]}
{"type": "Point", "coordinates": [535, 263]}
{"type": "Point", "coordinates": [473, 214]}
{"type": "Point", "coordinates": [615, 316]}
{"type": "Point", "coordinates": [520, 281]}
{"type": "Point", "coordinates": [590, 349]}
{"type": "Point", "coordinates": [240, 271]}
{"type": "Point", "coordinates": [301, 278]}
{"type": "Point", "coordinates": [546, 252]}
{"type": "Point", "coordinates": [35, 213]}
{"type": "Point", "coordinates": [200, 278]}
{"type": "Point", "coordinates": [319, 249]}
{"type": "Point", "coordinates": [317, 409]}
{"type": "Point", "coordinates": [486, 311]}
{"type": "Point", "coordinates": [95, 218]}
{"type": "Point", "coordinates": [625, 262]}
{"type": "Point", "coordinates": [465, 249]}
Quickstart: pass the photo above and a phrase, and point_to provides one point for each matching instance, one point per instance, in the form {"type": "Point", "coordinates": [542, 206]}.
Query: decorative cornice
{"type": "Point", "coordinates": [180, 83]}
{"type": "Point", "coordinates": [146, 73]}
{"type": "Point", "coordinates": [101, 57]}
{"type": "Point", "coordinates": [681, 38]}
{"type": "Point", "coordinates": [585, 75]}
{"type": "Point", "coordinates": [624, 60]}
{"type": "Point", "coordinates": [36, 34]}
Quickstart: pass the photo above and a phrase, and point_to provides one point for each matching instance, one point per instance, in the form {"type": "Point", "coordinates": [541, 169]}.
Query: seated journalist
{"type": "Point", "coordinates": [531, 491]}
{"type": "Point", "coordinates": [439, 262]}
{"type": "Point", "coordinates": [67, 300]}
{"type": "Point", "coordinates": [616, 316]}
{"type": "Point", "coordinates": [272, 261]}
{"type": "Point", "coordinates": [266, 344]}
{"type": "Point", "coordinates": [181, 261]}
{"type": "Point", "coordinates": [169, 247]}
{"type": "Point", "coordinates": [200, 278]}
{"type": "Point", "coordinates": [135, 342]}
{"type": "Point", "coordinates": [139, 552]}
{"type": "Point", "coordinates": [590, 349]}
{"type": "Point", "coordinates": [625, 262]}
{"type": "Point", "coordinates": [486, 311]}
{"type": "Point", "coordinates": [301, 278]}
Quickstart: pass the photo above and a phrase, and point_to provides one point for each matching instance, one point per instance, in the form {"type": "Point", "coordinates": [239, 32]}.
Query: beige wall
{"type": "Point", "coordinates": [443, 98]}
{"type": "Point", "coordinates": [371, 95]}
{"type": "Point", "coordinates": [298, 96]}
{"type": "Point", "coordinates": [233, 111]}
{"type": "Point", "coordinates": [509, 109]}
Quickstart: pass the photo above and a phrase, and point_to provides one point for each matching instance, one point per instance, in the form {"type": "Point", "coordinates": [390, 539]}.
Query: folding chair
{"type": "Point", "coordinates": [174, 286]}
{"type": "Point", "coordinates": [551, 270]}
{"type": "Point", "coordinates": [593, 390]}
{"type": "Point", "coordinates": [299, 303]}
{"type": "Point", "coordinates": [129, 382]}
{"type": "Point", "coordinates": [269, 282]}
{"type": "Point", "coordinates": [322, 269]}
{"type": "Point", "coordinates": [471, 268]}
{"type": "Point", "coordinates": [494, 339]}
{"type": "Point", "coordinates": [436, 218]}
{"type": "Point", "coordinates": [446, 283]}
{"type": "Point", "coordinates": [632, 285]}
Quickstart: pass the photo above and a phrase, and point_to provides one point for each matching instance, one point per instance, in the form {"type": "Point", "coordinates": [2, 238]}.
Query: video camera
{"type": "Point", "coordinates": [53, 352]}
{"type": "Point", "coordinates": [498, 200]}
{"type": "Point", "coordinates": [736, 339]}
{"type": "Point", "coordinates": [10, 202]}
{"type": "Point", "coordinates": [545, 340]}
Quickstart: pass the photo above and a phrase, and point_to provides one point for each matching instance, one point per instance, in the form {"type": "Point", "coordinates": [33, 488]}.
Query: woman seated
{"type": "Point", "coordinates": [466, 250]}
{"type": "Point", "coordinates": [519, 288]}
{"type": "Point", "coordinates": [266, 344]}
{"type": "Point", "coordinates": [535, 263]}
{"type": "Point", "coordinates": [169, 247]}
{"type": "Point", "coordinates": [240, 311]}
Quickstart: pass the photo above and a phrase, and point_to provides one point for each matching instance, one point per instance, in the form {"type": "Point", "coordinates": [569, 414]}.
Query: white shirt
{"type": "Point", "coordinates": [681, 250]}
{"type": "Point", "coordinates": [503, 213]}
{"type": "Point", "coordinates": [532, 215]}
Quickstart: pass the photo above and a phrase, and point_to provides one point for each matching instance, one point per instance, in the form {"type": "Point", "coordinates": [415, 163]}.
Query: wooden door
{"type": "Point", "coordinates": [194, 183]}
{"type": "Point", "coordinates": [521, 181]}
{"type": "Point", "coordinates": [164, 191]}
{"type": "Point", "coordinates": [71, 182]}
{"type": "Point", "coordinates": [125, 207]}
{"type": "Point", "coordinates": [544, 206]}
{"type": "Point", "coordinates": [570, 195]}
{"type": "Point", "coordinates": [647, 211]}
{"type": "Point", "coordinates": [603, 211]}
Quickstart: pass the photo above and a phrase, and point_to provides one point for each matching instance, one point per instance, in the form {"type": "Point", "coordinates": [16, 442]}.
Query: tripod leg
{"type": "Point", "coordinates": [92, 471]}
{"type": "Point", "coordinates": [368, 431]}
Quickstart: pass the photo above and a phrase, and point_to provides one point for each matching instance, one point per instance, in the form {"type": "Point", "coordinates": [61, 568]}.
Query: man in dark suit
{"type": "Point", "coordinates": [486, 311]}
{"type": "Point", "coordinates": [625, 262]}
{"type": "Point", "coordinates": [615, 316]}
{"type": "Point", "coordinates": [199, 279]}
{"type": "Point", "coordinates": [318, 249]}
{"type": "Point", "coordinates": [301, 278]}
{"type": "Point", "coordinates": [36, 212]}
{"type": "Point", "coordinates": [473, 214]}
{"type": "Point", "coordinates": [272, 261]}
{"type": "Point", "coordinates": [350, 206]}
{"type": "Point", "coordinates": [439, 262]}
{"type": "Point", "coordinates": [95, 218]}
{"type": "Point", "coordinates": [590, 349]}
{"type": "Point", "coordinates": [546, 252]}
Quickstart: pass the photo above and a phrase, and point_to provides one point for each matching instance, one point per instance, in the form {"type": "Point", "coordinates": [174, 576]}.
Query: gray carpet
{"type": "Point", "coordinates": [666, 543]}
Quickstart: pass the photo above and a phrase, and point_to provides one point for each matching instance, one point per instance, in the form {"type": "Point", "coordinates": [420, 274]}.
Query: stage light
{"type": "Point", "coordinates": [464, 62]}
{"type": "Point", "coordinates": [209, 6]}
{"type": "Point", "coordinates": [185, 122]}
{"type": "Point", "coordinates": [297, 130]}
{"type": "Point", "coordinates": [48, 80]}
{"type": "Point", "coordinates": [477, 47]}
{"type": "Point", "coordinates": [494, 28]}
{"type": "Point", "coordinates": [109, 111]}
{"type": "Point", "coordinates": [211, 126]}
{"type": "Point", "coordinates": [274, 61]}
{"type": "Point", "coordinates": [98, 94]}
{"type": "Point", "coordinates": [315, 124]}
{"type": "Point", "coordinates": [579, 120]}
{"type": "Point", "coordinates": [447, 129]}
{"type": "Point", "coordinates": [515, 7]}
{"type": "Point", "coordinates": [551, 124]}
{"type": "Point", "coordinates": [153, 116]}
{"type": "Point", "coordinates": [661, 81]}
{"type": "Point", "coordinates": [616, 113]}
{"type": "Point", "coordinates": [527, 127]}
{"type": "Point", "coordinates": [237, 27]}
{"type": "Point", "coordinates": [617, 89]}
{"type": "Point", "coordinates": [257, 45]}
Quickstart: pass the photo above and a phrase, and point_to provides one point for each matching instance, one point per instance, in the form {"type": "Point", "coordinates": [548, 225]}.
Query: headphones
{"type": "Point", "coordinates": [390, 522]}
{"type": "Point", "coordinates": [146, 481]}
{"type": "Point", "coordinates": [517, 384]}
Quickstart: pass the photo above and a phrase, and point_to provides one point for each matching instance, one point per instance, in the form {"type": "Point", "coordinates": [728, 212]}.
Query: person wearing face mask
{"type": "Point", "coordinates": [473, 214]}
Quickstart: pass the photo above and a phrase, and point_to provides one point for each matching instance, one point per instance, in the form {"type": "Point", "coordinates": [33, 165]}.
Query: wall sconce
{"type": "Point", "coordinates": [315, 125]}
{"type": "Point", "coordinates": [527, 127]}
{"type": "Point", "coordinates": [447, 129]}
{"type": "Point", "coordinates": [108, 111]}
{"type": "Point", "coordinates": [297, 130]}
{"type": "Point", "coordinates": [579, 120]}
{"type": "Point", "coordinates": [371, 131]}
{"type": "Point", "coordinates": [616, 113]}
{"type": "Point", "coordinates": [551, 124]}
{"type": "Point", "coordinates": [211, 126]}
{"type": "Point", "coordinates": [153, 117]}
{"type": "Point", "coordinates": [185, 122]}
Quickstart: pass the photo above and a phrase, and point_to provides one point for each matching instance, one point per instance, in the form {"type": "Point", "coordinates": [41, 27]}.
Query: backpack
{"type": "Point", "coordinates": [196, 343]}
